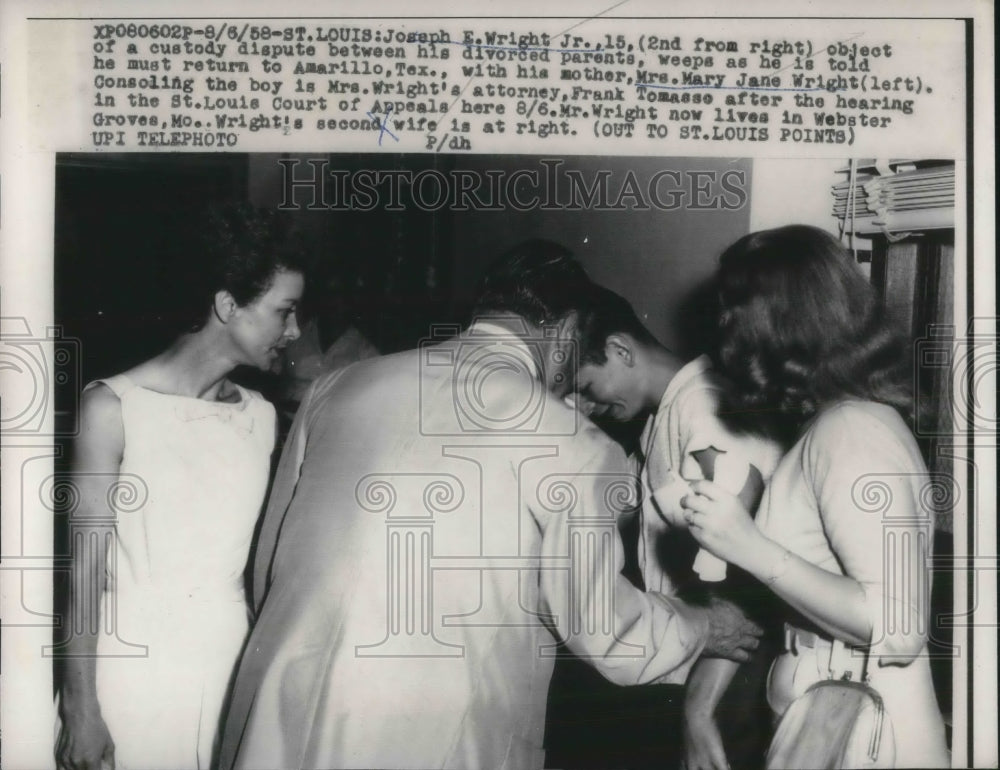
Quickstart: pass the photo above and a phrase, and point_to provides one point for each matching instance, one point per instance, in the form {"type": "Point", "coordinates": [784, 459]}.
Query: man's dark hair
{"type": "Point", "coordinates": [602, 314]}
{"type": "Point", "coordinates": [538, 280]}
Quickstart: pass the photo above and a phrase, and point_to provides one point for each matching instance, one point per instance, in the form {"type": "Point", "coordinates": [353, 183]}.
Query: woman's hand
{"type": "Point", "coordinates": [84, 741]}
{"type": "Point", "coordinates": [719, 521]}
{"type": "Point", "coordinates": [703, 748]}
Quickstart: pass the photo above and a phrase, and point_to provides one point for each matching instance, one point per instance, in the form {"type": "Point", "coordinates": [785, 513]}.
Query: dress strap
{"type": "Point", "coordinates": [120, 384]}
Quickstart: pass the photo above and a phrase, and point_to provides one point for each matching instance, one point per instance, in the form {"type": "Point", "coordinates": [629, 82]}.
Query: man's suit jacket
{"type": "Point", "coordinates": [438, 519]}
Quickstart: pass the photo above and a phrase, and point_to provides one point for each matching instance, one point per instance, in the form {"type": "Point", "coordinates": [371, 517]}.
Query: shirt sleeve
{"type": "Point", "coordinates": [866, 481]}
{"type": "Point", "coordinates": [701, 431]}
{"type": "Point", "coordinates": [705, 448]}
{"type": "Point", "coordinates": [630, 636]}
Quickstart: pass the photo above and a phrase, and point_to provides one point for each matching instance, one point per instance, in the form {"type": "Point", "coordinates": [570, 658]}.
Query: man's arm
{"type": "Point", "coordinates": [629, 635]}
{"type": "Point", "coordinates": [703, 746]}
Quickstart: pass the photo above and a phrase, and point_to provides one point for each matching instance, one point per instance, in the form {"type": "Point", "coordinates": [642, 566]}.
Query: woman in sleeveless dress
{"type": "Point", "coordinates": [844, 532]}
{"type": "Point", "coordinates": [171, 465]}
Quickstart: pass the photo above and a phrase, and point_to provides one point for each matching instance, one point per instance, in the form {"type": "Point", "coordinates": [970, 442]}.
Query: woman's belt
{"type": "Point", "coordinates": [842, 661]}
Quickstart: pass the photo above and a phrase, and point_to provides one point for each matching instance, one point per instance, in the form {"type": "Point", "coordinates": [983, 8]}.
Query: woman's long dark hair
{"type": "Point", "coordinates": [800, 327]}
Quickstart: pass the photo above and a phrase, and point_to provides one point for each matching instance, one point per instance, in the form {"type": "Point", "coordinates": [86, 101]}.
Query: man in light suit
{"type": "Point", "coordinates": [440, 518]}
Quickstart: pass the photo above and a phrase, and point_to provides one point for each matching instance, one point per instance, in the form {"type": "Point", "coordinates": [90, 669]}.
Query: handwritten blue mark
{"type": "Point", "coordinates": [383, 125]}
{"type": "Point", "coordinates": [727, 88]}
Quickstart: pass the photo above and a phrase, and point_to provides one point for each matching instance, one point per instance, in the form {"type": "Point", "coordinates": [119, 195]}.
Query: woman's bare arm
{"type": "Point", "coordinates": [84, 740]}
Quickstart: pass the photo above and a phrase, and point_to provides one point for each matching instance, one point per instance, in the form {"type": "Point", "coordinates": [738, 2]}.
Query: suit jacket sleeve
{"type": "Point", "coordinates": [285, 480]}
{"type": "Point", "coordinates": [630, 636]}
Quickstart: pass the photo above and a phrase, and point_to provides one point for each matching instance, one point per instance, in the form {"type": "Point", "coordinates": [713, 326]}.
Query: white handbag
{"type": "Point", "coordinates": [837, 723]}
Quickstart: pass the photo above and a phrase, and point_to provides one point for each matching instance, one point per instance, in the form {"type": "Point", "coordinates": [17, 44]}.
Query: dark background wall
{"type": "Point", "coordinates": [127, 232]}
{"type": "Point", "coordinates": [657, 259]}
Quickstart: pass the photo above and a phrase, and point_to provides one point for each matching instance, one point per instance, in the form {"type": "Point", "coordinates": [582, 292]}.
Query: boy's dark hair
{"type": "Point", "coordinates": [605, 313]}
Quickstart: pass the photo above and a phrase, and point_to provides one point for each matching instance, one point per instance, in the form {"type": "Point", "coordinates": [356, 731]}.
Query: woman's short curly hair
{"type": "Point", "coordinates": [232, 247]}
{"type": "Point", "coordinates": [800, 327]}
{"type": "Point", "coordinates": [245, 247]}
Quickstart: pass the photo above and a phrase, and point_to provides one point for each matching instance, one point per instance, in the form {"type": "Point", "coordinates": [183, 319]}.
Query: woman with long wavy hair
{"type": "Point", "coordinates": [843, 533]}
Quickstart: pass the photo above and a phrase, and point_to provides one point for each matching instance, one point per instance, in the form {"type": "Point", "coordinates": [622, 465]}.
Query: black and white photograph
{"type": "Point", "coordinates": [455, 423]}
{"type": "Point", "coordinates": [352, 265]}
